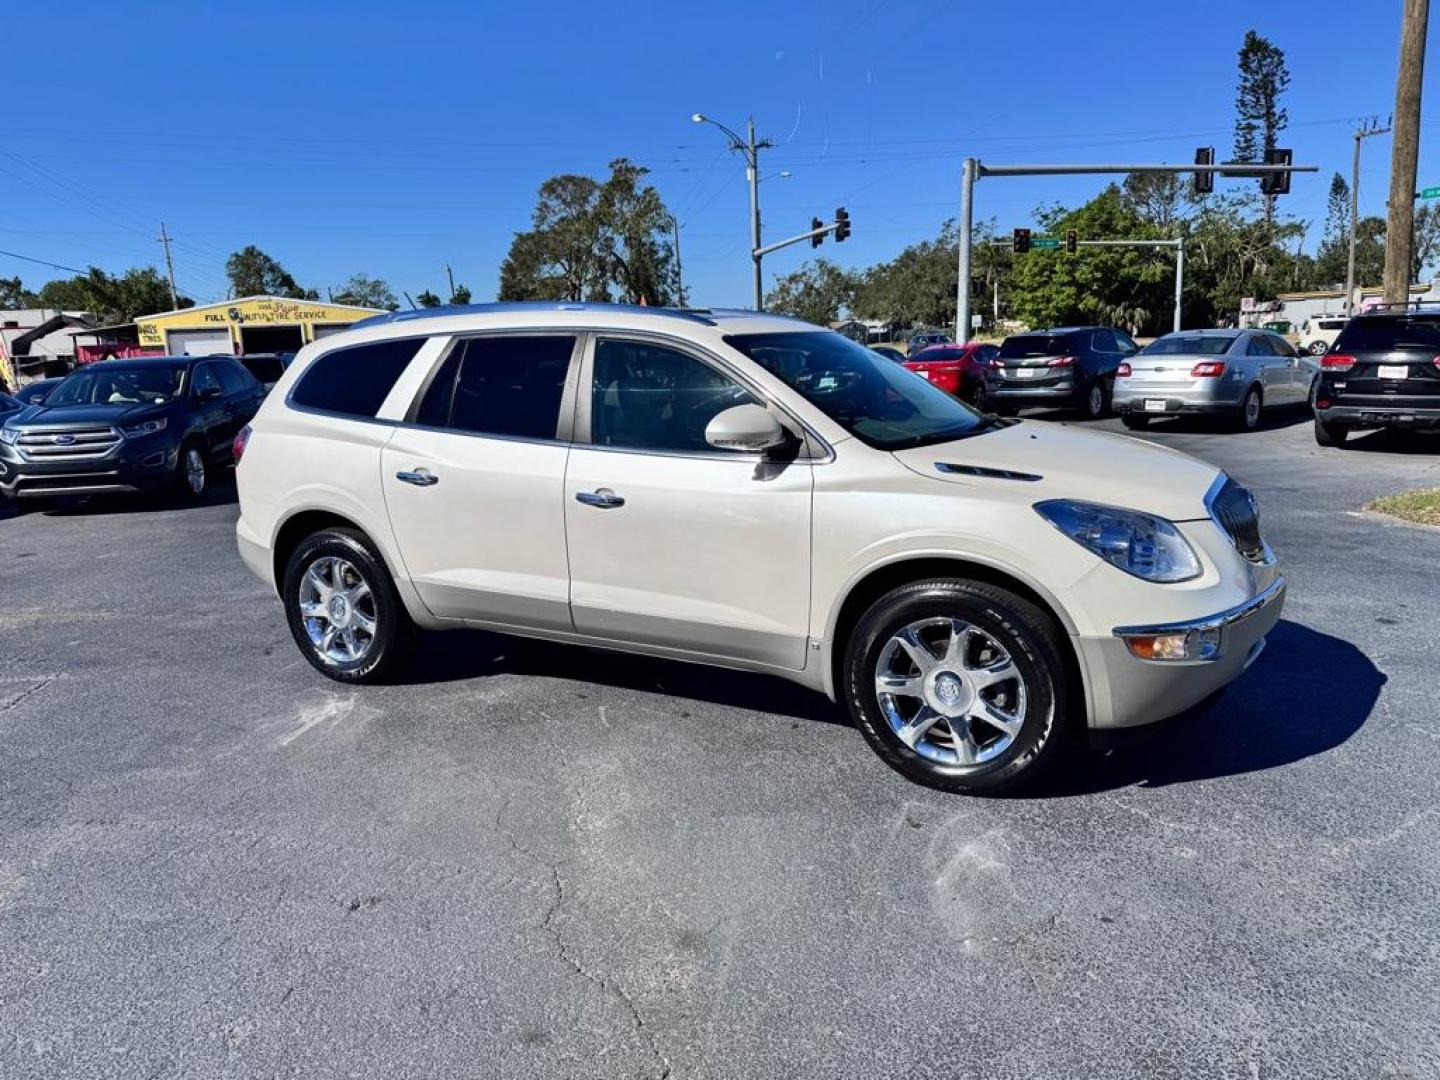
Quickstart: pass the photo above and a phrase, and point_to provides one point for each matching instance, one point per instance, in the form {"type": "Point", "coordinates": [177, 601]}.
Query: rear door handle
{"type": "Point", "coordinates": [603, 498]}
{"type": "Point", "coordinates": [418, 477]}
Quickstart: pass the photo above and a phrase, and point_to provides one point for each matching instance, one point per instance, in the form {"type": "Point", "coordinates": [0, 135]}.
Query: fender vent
{"type": "Point", "coordinates": [989, 474]}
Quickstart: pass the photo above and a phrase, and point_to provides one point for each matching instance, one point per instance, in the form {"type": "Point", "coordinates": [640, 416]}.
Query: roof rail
{"type": "Point", "coordinates": [518, 306]}
{"type": "Point", "coordinates": [1392, 305]}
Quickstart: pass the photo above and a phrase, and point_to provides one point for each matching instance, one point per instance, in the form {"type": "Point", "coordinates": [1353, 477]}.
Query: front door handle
{"type": "Point", "coordinates": [418, 477]}
{"type": "Point", "coordinates": [604, 498]}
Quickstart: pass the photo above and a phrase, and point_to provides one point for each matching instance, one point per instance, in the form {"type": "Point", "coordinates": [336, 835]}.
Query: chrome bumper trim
{"type": "Point", "coordinates": [1237, 614]}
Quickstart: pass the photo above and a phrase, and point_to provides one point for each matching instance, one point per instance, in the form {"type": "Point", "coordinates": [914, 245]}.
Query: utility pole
{"type": "Point", "coordinates": [1367, 130]}
{"type": "Point", "coordinates": [451, 276]}
{"type": "Point", "coordinates": [1405, 151]}
{"type": "Point", "coordinates": [750, 147]}
{"type": "Point", "coordinates": [164, 240]}
{"type": "Point", "coordinates": [679, 271]}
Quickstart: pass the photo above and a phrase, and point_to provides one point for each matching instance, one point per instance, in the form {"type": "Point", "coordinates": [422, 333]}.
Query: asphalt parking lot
{"type": "Point", "coordinates": [535, 861]}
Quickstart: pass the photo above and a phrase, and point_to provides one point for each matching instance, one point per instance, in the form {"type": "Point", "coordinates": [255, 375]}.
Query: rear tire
{"type": "Point", "coordinates": [1333, 435]}
{"type": "Point", "coordinates": [986, 655]}
{"type": "Point", "coordinates": [1097, 401]}
{"type": "Point", "coordinates": [1252, 407]}
{"type": "Point", "coordinates": [1135, 421]}
{"type": "Point", "coordinates": [366, 637]}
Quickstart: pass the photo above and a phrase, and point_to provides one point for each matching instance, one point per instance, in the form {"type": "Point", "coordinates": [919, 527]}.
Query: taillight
{"type": "Point", "coordinates": [1436, 361]}
{"type": "Point", "coordinates": [1062, 361]}
{"type": "Point", "coordinates": [242, 439]}
{"type": "Point", "coordinates": [1123, 371]}
{"type": "Point", "coordinates": [1208, 369]}
{"type": "Point", "coordinates": [996, 364]}
{"type": "Point", "coordinates": [1337, 362]}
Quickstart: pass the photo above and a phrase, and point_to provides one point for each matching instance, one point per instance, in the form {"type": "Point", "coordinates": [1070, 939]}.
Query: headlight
{"type": "Point", "coordinates": [1141, 544]}
{"type": "Point", "coordinates": [145, 427]}
{"type": "Point", "coordinates": [9, 435]}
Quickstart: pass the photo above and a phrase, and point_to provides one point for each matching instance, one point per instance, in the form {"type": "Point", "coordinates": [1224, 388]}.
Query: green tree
{"type": "Point", "coordinates": [364, 291]}
{"type": "Point", "coordinates": [1328, 268]}
{"type": "Point", "coordinates": [1259, 116]}
{"type": "Point", "coordinates": [817, 292]}
{"type": "Point", "coordinates": [138, 291]}
{"type": "Point", "coordinates": [1427, 240]}
{"type": "Point", "coordinates": [461, 295]}
{"type": "Point", "coordinates": [917, 287]}
{"type": "Point", "coordinates": [587, 237]}
{"type": "Point", "coordinates": [428, 299]}
{"type": "Point", "coordinates": [13, 295]}
{"type": "Point", "coordinates": [254, 273]}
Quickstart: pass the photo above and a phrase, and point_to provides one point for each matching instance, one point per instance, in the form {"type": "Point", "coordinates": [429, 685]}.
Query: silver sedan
{"type": "Point", "coordinates": [1231, 373]}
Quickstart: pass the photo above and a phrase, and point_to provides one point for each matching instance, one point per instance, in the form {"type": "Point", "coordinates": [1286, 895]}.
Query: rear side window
{"type": "Point", "coordinates": [235, 380]}
{"type": "Point", "coordinates": [355, 381]}
{"type": "Point", "coordinates": [510, 386]}
{"type": "Point", "coordinates": [1389, 333]}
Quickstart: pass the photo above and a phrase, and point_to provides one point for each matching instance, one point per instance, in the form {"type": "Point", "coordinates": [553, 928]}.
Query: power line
{"type": "Point", "coordinates": [45, 262]}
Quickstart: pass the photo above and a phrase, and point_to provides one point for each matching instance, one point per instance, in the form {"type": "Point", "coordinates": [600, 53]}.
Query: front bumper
{"type": "Point", "coordinates": [1127, 691]}
{"type": "Point", "coordinates": [143, 464]}
{"type": "Point", "coordinates": [1379, 415]}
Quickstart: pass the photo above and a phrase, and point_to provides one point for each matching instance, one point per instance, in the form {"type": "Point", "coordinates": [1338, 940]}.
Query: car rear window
{"type": "Point", "coordinates": [355, 381]}
{"type": "Point", "coordinates": [1386, 333]}
{"type": "Point", "coordinates": [1188, 345]}
{"type": "Point", "coordinates": [1025, 345]}
{"type": "Point", "coordinates": [947, 353]}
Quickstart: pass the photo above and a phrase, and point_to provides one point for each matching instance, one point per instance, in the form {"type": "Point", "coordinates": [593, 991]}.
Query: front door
{"type": "Point", "coordinates": [211, 411]}
{"type": "Point", "coordinates": [473, 483]}
{"type": "Point", "coordinates": [673, 543]}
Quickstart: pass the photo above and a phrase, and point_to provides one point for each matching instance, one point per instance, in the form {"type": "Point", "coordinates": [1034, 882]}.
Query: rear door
{"type": "Point", "coordinates": [1394, 360]}
{"type": "Point", "coordinates": [474, 477]}
{"type": "Point", "coordinates": [1265, 367]}
{"type": "Point", "coordinates": [208, 408]}
{"type": "Point", "coordinates": [673, 543]}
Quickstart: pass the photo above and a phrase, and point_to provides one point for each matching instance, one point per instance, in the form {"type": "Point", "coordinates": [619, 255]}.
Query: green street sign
{"type": "Point", "coordinates": [1050, 243]}
{"type": "Point", "coordinates": [1430, 193]}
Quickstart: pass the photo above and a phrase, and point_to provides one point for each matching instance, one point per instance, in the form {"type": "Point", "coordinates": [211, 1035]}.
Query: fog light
{"type": "Point", "coordinates": [1203, 644]}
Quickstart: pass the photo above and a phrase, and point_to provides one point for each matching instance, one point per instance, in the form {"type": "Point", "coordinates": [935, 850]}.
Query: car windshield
{"type": "Point", "coordinates": [881, 404]}
{"type": "Point", "coordinates": [132, 384]}
{"type": "Point", "coordinates": [1188, 345]}
{"type": "Point", "coordinates": [1023, 346]}
{"type": "Point", "coordinates": [1388, 332]}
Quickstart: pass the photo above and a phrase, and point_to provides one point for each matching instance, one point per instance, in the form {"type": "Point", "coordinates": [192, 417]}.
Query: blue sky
{"type": "Point", "coordinates": [393, 139]}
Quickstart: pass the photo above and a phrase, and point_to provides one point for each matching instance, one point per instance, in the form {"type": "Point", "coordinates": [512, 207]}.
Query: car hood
{"type": "Point", "coordinates": [1057, 461]}
{"type": "Point", "coordinates": [84, 415]}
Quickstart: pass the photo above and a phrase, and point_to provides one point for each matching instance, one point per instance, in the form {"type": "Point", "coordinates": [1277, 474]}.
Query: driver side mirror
{"type": "Point", "coordinates": [747, 428]}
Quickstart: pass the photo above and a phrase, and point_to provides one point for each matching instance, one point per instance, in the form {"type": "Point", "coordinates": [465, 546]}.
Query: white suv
{"type": "Point", "coordinates": [751, 492]}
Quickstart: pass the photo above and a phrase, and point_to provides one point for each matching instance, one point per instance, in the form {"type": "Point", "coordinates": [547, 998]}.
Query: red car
{"type": "Point", "coordinates": [956, 369]}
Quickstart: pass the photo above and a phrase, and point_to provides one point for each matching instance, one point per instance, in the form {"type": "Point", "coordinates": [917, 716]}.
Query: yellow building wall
{"type": "Point", "coordinates": [253, 312]}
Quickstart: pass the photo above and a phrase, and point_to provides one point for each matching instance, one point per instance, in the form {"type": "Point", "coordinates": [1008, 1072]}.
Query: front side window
{"type": "Point", "coordinates": [507, 386]}
{"type": "Point", "coordinates": [131, 384]}
{"type": "Point", "coordinates": [882, 404]}
{"type": "Point", "coordinates": [355, 381]}
{"type": "Point", "coordinates": [204, 380]}
{"type": "Point", "coordinates": [649, 397]}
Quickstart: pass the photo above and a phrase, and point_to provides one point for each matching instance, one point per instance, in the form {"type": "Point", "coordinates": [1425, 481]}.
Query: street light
{"type": "Point", "coordinates": [751, 148]}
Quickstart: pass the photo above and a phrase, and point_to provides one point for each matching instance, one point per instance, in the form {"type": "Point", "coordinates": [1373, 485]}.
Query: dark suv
{"type": "Point", "coordinates": [140, 424]}
{"type": "Point", "coordinates": [1382, 371]}
{"type": "Point", "coordinates": [1069, 367]}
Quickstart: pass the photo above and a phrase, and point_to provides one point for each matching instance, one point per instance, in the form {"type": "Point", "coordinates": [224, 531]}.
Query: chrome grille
{"type": "Point", "coordinates": [70, 444]}
{"type": "Point", "coordinates": [1234, 510]}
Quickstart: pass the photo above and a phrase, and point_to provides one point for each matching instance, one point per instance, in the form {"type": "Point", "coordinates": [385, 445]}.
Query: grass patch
{"type": "Point", "coordinates": [1422, 507]}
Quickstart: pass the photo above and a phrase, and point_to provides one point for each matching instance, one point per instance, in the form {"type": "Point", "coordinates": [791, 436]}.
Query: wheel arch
{"type": "Point", "coordinates": [874, 582]}
{"type": "Point", "coordinates": [303, 523]}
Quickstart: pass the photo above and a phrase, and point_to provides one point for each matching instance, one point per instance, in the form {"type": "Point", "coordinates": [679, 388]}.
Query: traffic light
{"type": "Point", "coordinates": [842, 224]}
{"type": "Point", "coordinates": [1020, 241]}
{"type": "Point", "coordinates": [815, 225]}
{"type": "Point", "coordinates": [1276, 183]}
{"type": "Point", "coordinates": [1204, 181]}
{"type": "Point", "coordinates": [1072, 241]}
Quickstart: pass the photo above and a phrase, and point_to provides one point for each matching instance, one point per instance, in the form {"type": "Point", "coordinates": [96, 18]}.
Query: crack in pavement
{"type": "Point", "coordinates": [6, 704]}
{"type": "Point", "coordinates": [606, 986]}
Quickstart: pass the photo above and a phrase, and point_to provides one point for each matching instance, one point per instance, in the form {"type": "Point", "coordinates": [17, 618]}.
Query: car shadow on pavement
{"type": "Point", "coordinates": [470, 654]}
{"type": "Point", "coordinates": [1308, 693]}
{"type": "Point", "coordinates": [1272, 419]}
{"type": "Point", "coordinates": [220, 492]}
{"type": "Point", "coordinates": [1391, 441]}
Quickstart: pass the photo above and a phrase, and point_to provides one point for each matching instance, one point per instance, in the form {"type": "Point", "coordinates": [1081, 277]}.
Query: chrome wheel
{"type": "Point", "coordinates": [1095, 402]}
{"type": "Point", "coordinates": [194, 470]}
{"type": "Point", "coordinates": [1252, 409]}
{"type": "Point", "coordinates": [338, 610]}
{"type": "Point", "coordinates": [950, 692]}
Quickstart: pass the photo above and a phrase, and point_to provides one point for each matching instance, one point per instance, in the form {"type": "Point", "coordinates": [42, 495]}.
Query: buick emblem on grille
{"type": "Point", "coordinates": [64, 440]}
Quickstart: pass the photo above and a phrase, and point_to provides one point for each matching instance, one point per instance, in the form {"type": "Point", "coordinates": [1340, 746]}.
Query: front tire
{"type": "Point", "coordinates": [192, 472]}
{"type": "Point", "coordinates": [959, 685]}
{"type": "Point", "coordinates": [343, 608]}
{"type": "Point", "coordinates": [1332, 435]}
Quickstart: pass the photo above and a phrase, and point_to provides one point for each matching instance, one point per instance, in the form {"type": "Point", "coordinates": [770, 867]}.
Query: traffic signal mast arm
{"type": "Point", "coordinates": [840, 226]}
